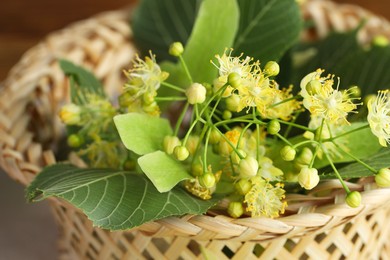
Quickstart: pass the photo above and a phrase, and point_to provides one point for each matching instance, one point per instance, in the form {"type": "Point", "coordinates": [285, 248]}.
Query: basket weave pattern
{"type": "Point", "coordinates": [317, 227]}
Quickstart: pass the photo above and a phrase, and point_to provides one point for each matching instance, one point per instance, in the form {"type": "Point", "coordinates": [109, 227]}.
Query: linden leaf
{"type": "Point", "coordinates": [142, 133]}
{"type": "Point", "coordinates": [112, 199]}
{"type": "Point", "coordinates": [163, 171]}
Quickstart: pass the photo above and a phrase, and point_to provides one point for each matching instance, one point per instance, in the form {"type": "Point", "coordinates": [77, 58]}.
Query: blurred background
{"type": "Point", "coordinates": [28, 231]}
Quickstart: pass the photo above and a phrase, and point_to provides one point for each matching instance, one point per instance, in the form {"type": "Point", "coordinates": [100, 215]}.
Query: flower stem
{"type": "Point", "coordinates": [183, 63]}
{"type": "Point", "coordinates": [170, 98]}
{"type": "Point", "coordinates": [180, 120]}
{"type": "Point", "coordinates": [356, 159]}
{"type": "Point", "coordinates": [347, 133]}
{"type": "Point", "coordinates": [336, 171]}
{"type": "Point", "coordinates": [171, 86]}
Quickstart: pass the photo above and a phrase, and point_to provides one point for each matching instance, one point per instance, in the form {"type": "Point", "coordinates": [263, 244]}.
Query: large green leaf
{"type": "Point", "coordinates": [214, 31]}
{"type": "Point", "coordinates": [112, 199]}
{"type": "Point", "coordinates": [355, 170]}
{"type": "Point", "coordinates": [83, 82]}
{"type": "Point", "coordinates": [142, 133]}
{"type": "Point", "coordinates": [268, 28]}
{"type": "Point", "coordinates": [156, 24]}
{"type": "Point", "coordinates": [164, 171]}
{"type": "Point", "coordinates": [341, 55]}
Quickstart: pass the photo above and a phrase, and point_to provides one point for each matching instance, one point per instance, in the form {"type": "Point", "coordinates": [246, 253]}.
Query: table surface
{"type": "Point", "coordinates": [28, 231]}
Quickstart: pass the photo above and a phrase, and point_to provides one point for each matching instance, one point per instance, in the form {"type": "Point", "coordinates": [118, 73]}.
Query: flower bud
{"type": "Point", "coordinates": [232, 103]}
{"type": "Point", "coordinates": [235, 209]}
{"type": "Point", "coordinates": [176, 49]}
{"type": "Point", "coordinates": [196, 93]}
{"type": "Point", "coordinates": [235, 157]}
{"type": "Point", "coordinates": [243, 186]}
{"type": "Point", "coordinates": [227, 114]}
{"type": "Point", "coordinates": [196, 169]}
{"type": "Point", "coordinates": [273, 127]}
{"type": "Point", "coordinates": [148, 97]}
{"type": "Point", "coordinates": [248, 167]}
{"type": "Point", "coordinates": [192, 143]}
{"type": "Point", "coordinates": [181, 153]}
{"type": "Point", "coordinates": [75, 140]}
{"type": "Point", "coordinates": [382, 178]}
{"type": "Point", "coordinates": [207, 180]}
{"type": "Point", "coordinates": [305, 156]}
{"type": "Point", "coordinates": [170, 142]}
{"type": "Point", "coordinates": [288, 153]}
{"type": "Point", "coordinates": [308, 178]}
{"type": "Point", "coordinates": [355, 91]}
{"type": "Point", "coordinates": [353, 199]}
{"type": "Point", "coordinates": [214, 137]}
{"type": "Point", "coordinates": [234, 79]}
{"type": "Point", "coordinates": [70, 114]}
{"type": "Point", "coordinates": [313, 87]}
{"type": "Point", "coordinates": [271, 68]}
{"type": "Point", "coordinates": [380, 41]}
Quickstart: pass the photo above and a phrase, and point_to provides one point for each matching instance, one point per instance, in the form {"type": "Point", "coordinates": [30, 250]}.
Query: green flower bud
{"type": "Point", "coordinates": [70, 114]}
{"type": "Point", "coordinates": [215, 136]}
{"type": "Point", "coordinates": [353, 199]}
{"type": "Point", "coordinates": [176, 49]}
{"type": "Point", "coordinates": [181, 153]}
{"type": "Point", "coordinates": [248, 167]}
{"type": "Point", "coordinates": [227, 115]}
{"type": "Point", "coordinates": [192, 143]}
{"type": "Point", "coordinates": [234, 80]}
{"type": "Point", "coordinates": [288, 153]}
{"type": "Point", "coordinates": [170, 142]}
{"type": "Point", "coordinates": [232, 103]}
{"type": "Point", "coordinates": [305, 156]}
{"type": "Point", "coordinates": [308, 178]}
{"type": "Point", "coordinates": [382, 178]}
{"type": "Point", "coordinates": [207, 180]}
{"type": "Point", "coordinates": [271, 68]}
{"type": "Point", "coordinates": [148, 98]}
{"type": "Point", "coordinates": [196, 94]}
{"type": "Point", "coordinates": [196, 169]}
{"type": "Point", "coordinates": [355, 91]}
{"type": "Point", "coordinates": [273, 127]}
{"type": "Point", "coordinates": [313, 87]}
{"type": "Point", "coordinates": [380, 41]}
{"type": "Point", "coordinates": [235, 209]}
{"type": "Point", "coordinates": [243, 186]}
{"type": "Point", "coordinates": [75, 140]}
{"type": "Point", "coordinates": [235, 158]}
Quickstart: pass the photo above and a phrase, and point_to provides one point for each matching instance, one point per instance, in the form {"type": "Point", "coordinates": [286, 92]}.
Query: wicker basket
{"type": "Point", "coordinates": [30, 131]}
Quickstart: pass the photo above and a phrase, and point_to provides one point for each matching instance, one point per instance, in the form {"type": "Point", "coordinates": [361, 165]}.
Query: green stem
{"type": "Point", "coordinates": [347, 133]}
{"type": "Point", "coordinates": [295, 125]}
{"type": "Point", "coordinates": [303, 143]}
{"type": "Point", "coordinates": [356, 159]}
{"type": "Point", "coordinates": [170, 98]}
{"type": "Point", "coordinates": [169, 85]}
{"type": "Point", "coordinates": [206, 143]}
{"type": "Point", "coordinates": [180, 120]}
{"type": "Point", "coordinates": [285, 101]}
{"type": "Point", "coordinates": [336, 171]}
{"type": "Point", "coordinates": [183, 63]}
{"type": "Point", "coordinates": [283, 139]}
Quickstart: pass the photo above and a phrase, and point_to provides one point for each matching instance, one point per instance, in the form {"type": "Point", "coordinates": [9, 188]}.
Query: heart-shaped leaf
{"type": "Point", "coordinates": [268, 28]}
{"type": "Point", "coordinates": [163, 171]}
{"type": "Point", "coordinates": [115, 200]}
{"type": "Point", "coordinates": [142, 133]}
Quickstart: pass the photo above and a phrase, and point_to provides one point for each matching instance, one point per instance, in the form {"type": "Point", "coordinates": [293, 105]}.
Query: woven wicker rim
{"type": "Point", "coordinates": [36, 88]}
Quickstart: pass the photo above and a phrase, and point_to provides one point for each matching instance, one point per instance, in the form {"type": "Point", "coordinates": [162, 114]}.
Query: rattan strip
{"type": "Point", "coordinates": [102, 45]}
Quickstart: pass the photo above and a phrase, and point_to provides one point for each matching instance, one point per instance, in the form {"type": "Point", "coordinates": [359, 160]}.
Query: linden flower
{"type": "Point", "coordinates": [145, 76]}
{"type": "Point", "coordinates": [379, 116]}
{"type": "Point", "coordinates": [280, 109]}
{"type": "Point", "coordinates": [325, 102]}
{"type": "Point", "coordinates": [229, 64]}
{"type": "Point", "coordinates": [266, 200]}
{"type": "Point", "coordinates": [256, 91]}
